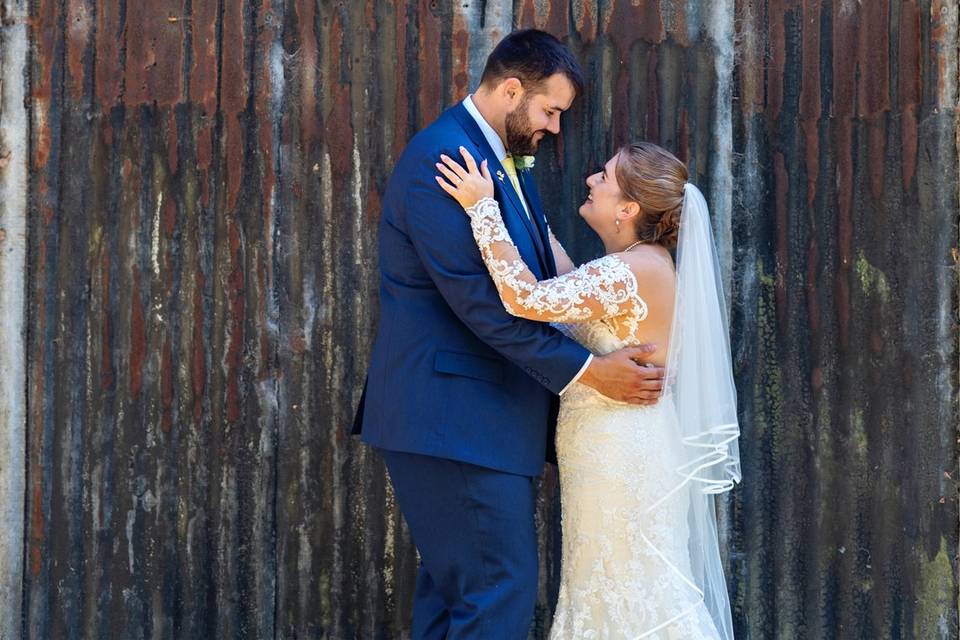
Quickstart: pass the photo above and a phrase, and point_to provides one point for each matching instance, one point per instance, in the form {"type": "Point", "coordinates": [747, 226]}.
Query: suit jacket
{"type": "Point", "coordinates": [452, 374]}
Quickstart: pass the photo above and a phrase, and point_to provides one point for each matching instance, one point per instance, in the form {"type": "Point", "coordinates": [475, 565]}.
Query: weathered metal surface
{"type": "Point", "coordinates": [845, 324]}
{"type": "Point", "coordinates": [14, 45]}
{"type": "Point", "coordinates": [205, 186]}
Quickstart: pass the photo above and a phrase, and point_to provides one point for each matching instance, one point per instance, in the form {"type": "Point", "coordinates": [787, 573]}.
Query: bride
{"type": "Point", "coordinates": [640, 555]}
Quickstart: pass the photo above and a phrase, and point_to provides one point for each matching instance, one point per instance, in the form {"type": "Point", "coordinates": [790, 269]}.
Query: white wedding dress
{"type": "Point", "coordinates": [626, 566]}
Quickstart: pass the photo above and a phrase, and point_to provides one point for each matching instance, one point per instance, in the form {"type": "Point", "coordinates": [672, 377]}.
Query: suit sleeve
{"type": "Point", "coordinates": [440, 232]}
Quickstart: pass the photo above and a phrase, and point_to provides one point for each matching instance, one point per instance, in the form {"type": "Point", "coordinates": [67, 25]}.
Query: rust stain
{"type": "Point", "coordinates": [843, 146]}
{"type": "Point", "coordinates": [776, 11]}
{"type": "Point", "coordinates": [751, 71]}
{"type": "Point", "coordinates": [37, 536]}
{"type": "Point", "coordinates": [204, 141]}
{"type": "Point", "coordinates": [338, 123]}
{"type": "Point", "coordinates": [169, 218]}
{"type": "Point", "coordinates": [265, 117]}
{"type": "Point", "coordinates": [844, 64]}
{"type": "Point", "coordinates": [652, 125]}
{"type": "Point", "coordinates": [624, 24]}
{"type": "Point", "coordinates": [401, 98]}
{"type": "Point", "coordinates": [810, 91]}
{"type": "Point", "coordinates": [41, 137]}
{"type": "Point", "coordinates": [909, 86]}
{"type": "Point", "coordinates": [234, 97]}
{"type": "Point", "coordinates": [44, 37]}
{"type": "Point", "coordinates": [942, 43]}
{"type": "Point", "coordinates": [526, 15]}
{"type": "Point", "coordinates": [873, 88]}
{"type": "Point", "coordinates": [309, 114]}
{"type": "Point", "coordinates": [140, 55]}
{"type": "Point", "coordinates": [552, 17]}
{"type": "Point", "coordinates": [430, 89]}
{"type": "Point", "coordinates": [679, 31]}
{"type": "Point", "coordinates": [461, 57]}
{"type": "Point", "coordinates": [78, 26]}
{"type": "Point", "coordinates": [373, 205]}
{"type": "Point", "coordinates": [203, 67]}
{"type": "Point", "coordinates": [585, 22]}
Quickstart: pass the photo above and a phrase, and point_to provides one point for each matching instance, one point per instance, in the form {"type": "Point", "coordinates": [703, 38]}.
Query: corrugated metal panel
{"type": "Point", "coordinates": [205, 186]}
{"type": "Point", "coordinates": [845, 318]}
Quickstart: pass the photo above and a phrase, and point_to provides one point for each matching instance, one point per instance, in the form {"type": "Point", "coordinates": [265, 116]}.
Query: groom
{"type": "Point", "coordinates": [461, 397]}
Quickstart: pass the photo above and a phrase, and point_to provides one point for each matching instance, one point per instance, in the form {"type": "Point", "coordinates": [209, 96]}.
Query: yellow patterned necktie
{"type": "Point", "coordinates": [511, 170]}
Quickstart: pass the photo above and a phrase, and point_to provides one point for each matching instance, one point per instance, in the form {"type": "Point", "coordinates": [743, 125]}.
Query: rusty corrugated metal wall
{"type": "Point", "coordinates": [201, 297]}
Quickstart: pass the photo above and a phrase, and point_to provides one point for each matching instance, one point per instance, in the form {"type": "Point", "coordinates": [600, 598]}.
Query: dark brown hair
{"type": "Point", "coordinates": [653, 177]}
{"type": "Point", "coordinates": [531, 56]}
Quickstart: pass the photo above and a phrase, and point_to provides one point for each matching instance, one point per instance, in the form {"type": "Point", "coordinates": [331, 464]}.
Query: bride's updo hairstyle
{"type": "Point", "coordinates": [653, 177]}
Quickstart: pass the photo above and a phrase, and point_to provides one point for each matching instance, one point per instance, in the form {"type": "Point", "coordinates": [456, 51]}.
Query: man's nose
{"type": "Point", "coordinates": [554, 125]}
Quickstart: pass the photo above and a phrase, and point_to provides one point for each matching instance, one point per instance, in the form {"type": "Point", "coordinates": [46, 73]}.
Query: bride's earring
{"type": "Point", "coordinates": [618, 225]}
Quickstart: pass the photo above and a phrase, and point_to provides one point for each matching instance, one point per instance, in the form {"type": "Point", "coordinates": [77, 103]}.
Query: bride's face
{"type": "Point", "coordinates": [605, 203]}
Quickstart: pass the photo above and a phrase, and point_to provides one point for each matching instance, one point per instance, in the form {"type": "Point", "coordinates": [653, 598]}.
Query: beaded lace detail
{"type": "Point", "coordinates": [601, 289]}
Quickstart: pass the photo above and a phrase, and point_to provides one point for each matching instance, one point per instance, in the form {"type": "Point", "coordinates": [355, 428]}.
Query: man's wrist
{"type": "Point", "coordinates": [580, 374]}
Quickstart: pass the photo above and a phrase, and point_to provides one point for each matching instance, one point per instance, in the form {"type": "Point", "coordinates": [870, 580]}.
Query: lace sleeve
{"type": "Point", "coordinates": [602, 288]}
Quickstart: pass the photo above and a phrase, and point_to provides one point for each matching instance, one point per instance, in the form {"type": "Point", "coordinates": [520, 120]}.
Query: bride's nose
{"type": "Point", "coordinates": [591, 179]}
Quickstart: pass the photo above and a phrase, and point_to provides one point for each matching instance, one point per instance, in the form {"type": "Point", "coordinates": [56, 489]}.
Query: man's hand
{"type": "Point", "coordinates": [621, 376]}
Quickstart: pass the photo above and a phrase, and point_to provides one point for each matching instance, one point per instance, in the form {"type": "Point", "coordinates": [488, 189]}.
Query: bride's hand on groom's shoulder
{"type": "Point", "coordinates": [467, 185]}
{"type": "Point", "coordinates": [620, 376]}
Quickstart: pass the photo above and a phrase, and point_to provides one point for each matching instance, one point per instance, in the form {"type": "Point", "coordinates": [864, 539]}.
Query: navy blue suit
{"type": "Point", "coordinates": [461, 396]}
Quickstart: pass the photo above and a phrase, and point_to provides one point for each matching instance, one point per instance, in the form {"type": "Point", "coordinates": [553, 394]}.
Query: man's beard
{"type": "Point", "coordinates": [520, 134]}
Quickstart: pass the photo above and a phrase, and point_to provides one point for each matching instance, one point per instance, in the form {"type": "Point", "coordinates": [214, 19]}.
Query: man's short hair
{"type": "Point", "coordinates": [531, 56]}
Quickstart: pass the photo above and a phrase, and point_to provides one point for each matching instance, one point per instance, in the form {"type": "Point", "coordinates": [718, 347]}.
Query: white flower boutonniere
{"type": "Point", "coordinates": [523, 163]}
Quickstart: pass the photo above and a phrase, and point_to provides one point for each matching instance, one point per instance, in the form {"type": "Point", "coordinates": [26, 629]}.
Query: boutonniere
{"type": "Point", "coordinates": [523, 163]}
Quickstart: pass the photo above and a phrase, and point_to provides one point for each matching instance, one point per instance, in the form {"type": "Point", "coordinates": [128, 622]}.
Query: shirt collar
{"type": "Point", "coordinates": [493, 138]}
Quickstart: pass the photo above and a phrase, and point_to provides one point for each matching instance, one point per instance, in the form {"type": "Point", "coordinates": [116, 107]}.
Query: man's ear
{"type": "Point", "coordinates": [512, 89]}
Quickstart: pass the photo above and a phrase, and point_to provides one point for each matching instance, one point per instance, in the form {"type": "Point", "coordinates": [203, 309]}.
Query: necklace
{"type": "Point", "coordinates": [632, 246]}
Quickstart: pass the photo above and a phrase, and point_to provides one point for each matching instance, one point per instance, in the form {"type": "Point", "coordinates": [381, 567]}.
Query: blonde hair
{"type": "Point", "coordinates": [653, 177]}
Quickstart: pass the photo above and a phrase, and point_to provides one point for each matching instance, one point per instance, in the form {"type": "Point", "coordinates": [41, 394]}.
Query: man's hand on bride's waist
{"type": "Point", "coordinates": [622, 376]}
{"type": "Point", "coordinates": [466, 185]}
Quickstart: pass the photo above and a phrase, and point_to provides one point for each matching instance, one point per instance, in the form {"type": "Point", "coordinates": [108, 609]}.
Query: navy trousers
{"type": "Point", "coordinates": [474, 528]}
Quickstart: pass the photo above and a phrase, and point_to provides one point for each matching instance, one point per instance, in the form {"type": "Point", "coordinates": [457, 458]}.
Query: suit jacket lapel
{"type": "Point", "coordinates": [536, 212]}
{"type": "Point", "coordinates": [513, 214]}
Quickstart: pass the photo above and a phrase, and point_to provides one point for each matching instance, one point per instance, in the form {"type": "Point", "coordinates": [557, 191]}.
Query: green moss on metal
{"type": "Point", "coordinates": [872, 280]}
{"type": "Point", "coordinates": [935, 595]}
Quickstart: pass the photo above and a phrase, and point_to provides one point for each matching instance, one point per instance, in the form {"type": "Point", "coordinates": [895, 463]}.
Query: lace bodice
{"type": "Point", "coordinates": [604, 289]}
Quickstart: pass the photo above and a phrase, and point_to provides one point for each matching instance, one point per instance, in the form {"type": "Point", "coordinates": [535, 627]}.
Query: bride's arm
{"type": "Point", "coordinates": [602, 288]}
{"type": "Point", "coordinates": [560, 257]}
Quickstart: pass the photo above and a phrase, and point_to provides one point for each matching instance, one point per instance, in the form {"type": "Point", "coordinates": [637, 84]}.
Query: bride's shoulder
{"type": "Point", "coordinates": [650, 261]}
{"type": "Point", "coordinates": [652, 267]}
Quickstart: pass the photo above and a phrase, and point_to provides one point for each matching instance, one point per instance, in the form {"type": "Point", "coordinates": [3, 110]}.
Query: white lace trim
{"type": "Point", "coordinates": [602, 288]}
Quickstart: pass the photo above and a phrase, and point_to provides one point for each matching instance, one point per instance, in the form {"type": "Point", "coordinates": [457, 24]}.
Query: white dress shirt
{"type": "Point", "coordinates": [493, 139]}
